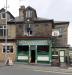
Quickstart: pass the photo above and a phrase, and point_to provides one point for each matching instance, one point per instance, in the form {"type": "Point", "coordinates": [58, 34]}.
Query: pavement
{"type": "Point", "coordinates": [38, 67]}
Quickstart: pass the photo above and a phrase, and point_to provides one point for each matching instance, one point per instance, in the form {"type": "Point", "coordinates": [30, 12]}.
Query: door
{"type": "Point", "coordinates": [32, 56]}
{"type": "Point", "coordinates": [62, 55]}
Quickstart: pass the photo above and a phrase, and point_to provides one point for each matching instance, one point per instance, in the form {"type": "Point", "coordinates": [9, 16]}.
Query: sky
{"type": "Point", "coordinates": [59, 10]}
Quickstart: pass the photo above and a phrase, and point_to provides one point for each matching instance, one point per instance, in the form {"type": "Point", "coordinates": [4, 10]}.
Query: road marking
{"type": "Point", "coordinates": [52, 72]}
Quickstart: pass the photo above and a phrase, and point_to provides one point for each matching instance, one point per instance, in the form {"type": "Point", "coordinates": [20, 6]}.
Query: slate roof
{"type": "Point", "coordinates": [61, 22]}
{"type": "Point", "coordinates": [36, 19]}
{"type": "Point", "coordinates": [39, 19]}
{"type": "Point", "coordinates": [29, 7]}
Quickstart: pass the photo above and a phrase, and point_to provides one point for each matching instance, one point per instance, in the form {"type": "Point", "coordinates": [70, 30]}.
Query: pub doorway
{"type": "Point", "coordinates": [33, 56]}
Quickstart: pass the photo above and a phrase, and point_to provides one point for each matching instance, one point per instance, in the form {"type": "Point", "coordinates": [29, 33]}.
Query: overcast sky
{"type": "Point", "coordinates": [60, 10]}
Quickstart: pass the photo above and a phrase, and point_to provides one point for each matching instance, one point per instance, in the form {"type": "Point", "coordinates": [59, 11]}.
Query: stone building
{"type": "Point", "coordinates": [34, 39]}
{"type": "Point", "coordinates": [11, 30]}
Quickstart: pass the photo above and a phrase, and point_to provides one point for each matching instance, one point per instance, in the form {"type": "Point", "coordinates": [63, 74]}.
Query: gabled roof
{"type": "Point", "coordinates": [3, 10]}
{"type": "Point", "coordinates": [11, 14]}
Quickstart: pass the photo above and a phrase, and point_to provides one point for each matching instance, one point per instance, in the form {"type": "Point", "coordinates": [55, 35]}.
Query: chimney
{"type": "Point", "coordinates": [22, 11]}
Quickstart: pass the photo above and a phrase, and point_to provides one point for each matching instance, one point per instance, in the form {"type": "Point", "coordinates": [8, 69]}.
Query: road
{"type": "Point", "coordinates": [28, 70]}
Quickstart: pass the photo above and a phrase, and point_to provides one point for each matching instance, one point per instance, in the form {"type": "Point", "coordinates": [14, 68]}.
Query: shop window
{"type": "Point", "coordinates": [9, 49]}
{"type": "Point", "coordinates": [23, 50]}
{"type": "Point", "coordinates": [43, 50]}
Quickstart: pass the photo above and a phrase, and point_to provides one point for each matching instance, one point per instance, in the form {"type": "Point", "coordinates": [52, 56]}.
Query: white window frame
{"type": "Point", "coordinates": [62, 56]}
{"type": "Point", "coordinates": [29, 13]}
{"type": "Point", "coordinates": [25, 30]}
{"type": "Point", "coordinates": [7, 50]}
{"type": "Point", "coordinates": [2, 15]}
{"type": "Point", "coordinates": [3, 28]}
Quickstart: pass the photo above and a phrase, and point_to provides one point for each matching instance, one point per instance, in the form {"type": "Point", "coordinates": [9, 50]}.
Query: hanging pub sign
{"type": "Point", "coordinates": [55, 32]}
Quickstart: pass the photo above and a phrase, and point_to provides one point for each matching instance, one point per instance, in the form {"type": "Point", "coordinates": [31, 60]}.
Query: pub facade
{"type": "Point", "coordinates": [34, 39]}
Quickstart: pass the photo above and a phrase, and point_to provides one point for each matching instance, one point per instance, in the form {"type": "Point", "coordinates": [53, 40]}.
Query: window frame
{"type": "Point", "coordinates": [8, 49]}
{"type": "Point", "coordinates": [3, 13]}
{"type": "Point", "coordinates": [41, 50]}
{"type": "Point", "coordinates": [3, 28]}
{"type": "Point", "coordinates": [29, 13]}
{"type": "Point", "coordinates": [28, 30]}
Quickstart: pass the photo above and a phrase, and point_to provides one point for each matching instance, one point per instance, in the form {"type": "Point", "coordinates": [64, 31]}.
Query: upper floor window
{"type": "Point", "coordinates": [28, 13]}
{"type": "Point", "coordinates": [2, 31]}
{"type": "Point", "coordinates": [3, 16]}
{"type": "Point", "coordinates": [29, 31]}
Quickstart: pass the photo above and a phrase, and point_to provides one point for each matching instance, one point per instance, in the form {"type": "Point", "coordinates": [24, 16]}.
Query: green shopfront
{"type": "Point", "coordinates": [34, 50]}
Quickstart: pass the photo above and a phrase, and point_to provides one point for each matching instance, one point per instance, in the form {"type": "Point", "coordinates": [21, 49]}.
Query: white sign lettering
{"type": "Point", "coordinates": [33, 42]}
